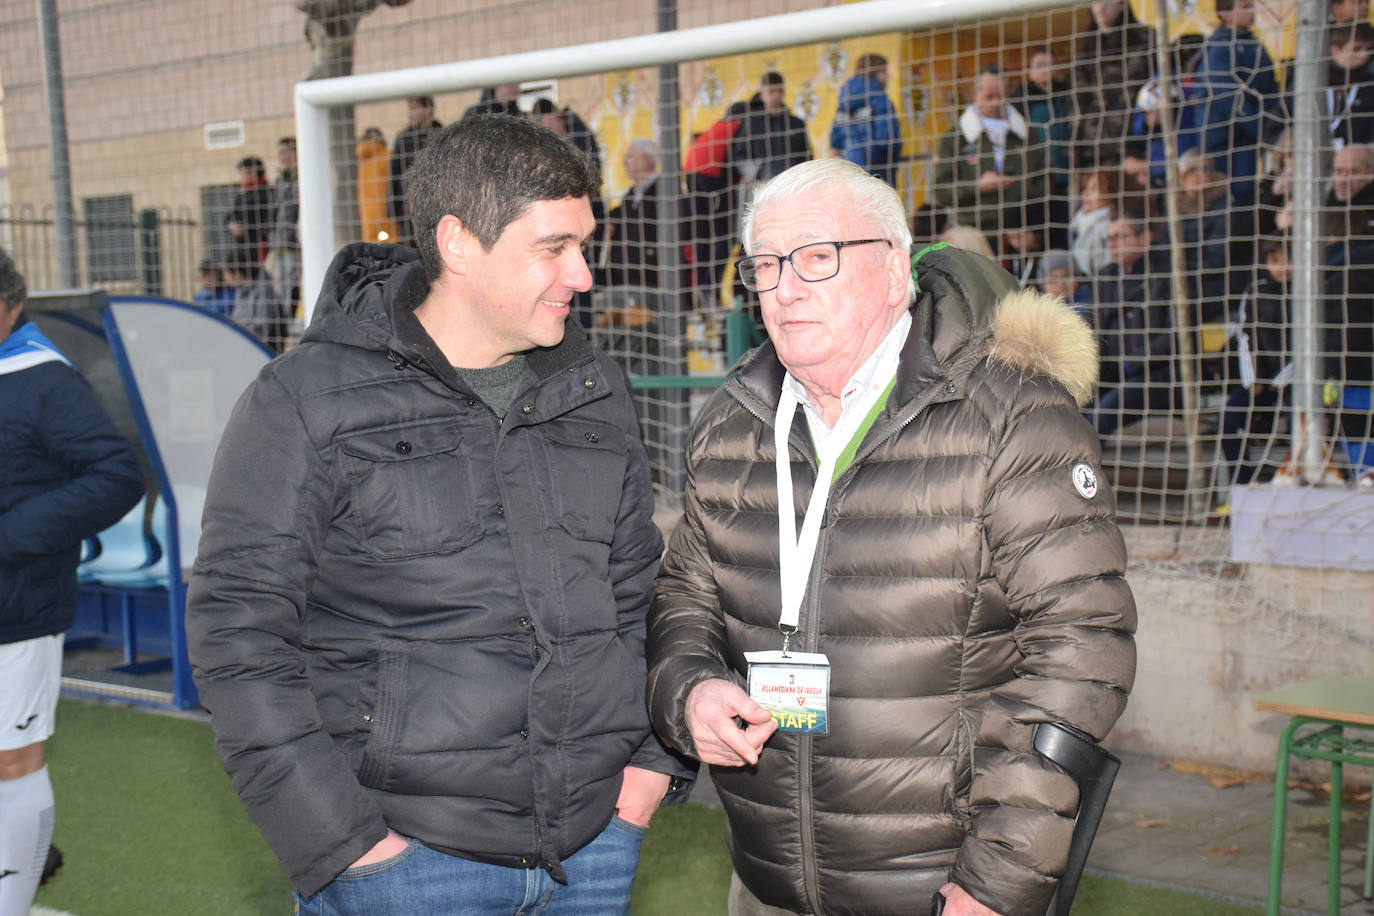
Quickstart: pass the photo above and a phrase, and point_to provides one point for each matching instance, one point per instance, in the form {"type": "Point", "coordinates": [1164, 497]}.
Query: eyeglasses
{"type": "Point", "coordinates": [813, 263]}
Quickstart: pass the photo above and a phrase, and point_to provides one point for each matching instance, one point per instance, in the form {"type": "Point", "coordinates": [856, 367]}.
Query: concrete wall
{"type": "Point", "coordinates": [1213, 636]}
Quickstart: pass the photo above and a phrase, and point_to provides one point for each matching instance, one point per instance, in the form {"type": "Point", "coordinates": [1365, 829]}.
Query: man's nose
{"type": "Point", "coordinates": [790, 284]}
{"type": "Point", "coordinates": [578, 275]}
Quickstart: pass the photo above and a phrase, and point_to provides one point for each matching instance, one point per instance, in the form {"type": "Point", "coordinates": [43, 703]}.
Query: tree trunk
{"type": "Point", "coordinates": [330, 27]}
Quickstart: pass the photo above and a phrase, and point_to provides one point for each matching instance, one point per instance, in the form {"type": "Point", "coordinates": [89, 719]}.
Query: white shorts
{"type": "Point", "coordinates": [30, 676]}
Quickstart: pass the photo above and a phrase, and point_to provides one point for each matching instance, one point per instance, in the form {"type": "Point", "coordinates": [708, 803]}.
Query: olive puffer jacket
{"type": "Point", "coordinates": [410, 613]}
{"type": "Point", "coordinates": [969, 584]}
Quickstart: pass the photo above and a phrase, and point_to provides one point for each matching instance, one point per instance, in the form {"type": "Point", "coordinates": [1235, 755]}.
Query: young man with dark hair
{"type": "Point", "coordinates": [771, 138]}
{"type": "Point", "coordinates": [419, 628]}
{"type": "Point", "coordinates": [250, 219]}
{"type": "Point", "coordinates": [69, 474]}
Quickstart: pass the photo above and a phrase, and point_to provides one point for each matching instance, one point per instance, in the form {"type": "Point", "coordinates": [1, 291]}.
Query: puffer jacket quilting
{"type": "Point", "coordinates": [408, 613]}
{"type": "Point", "coordinates": [964, 591]}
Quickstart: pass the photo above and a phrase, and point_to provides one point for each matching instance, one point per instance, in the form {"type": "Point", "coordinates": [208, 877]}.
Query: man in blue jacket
{"type": "Point", "coordinates": [69, 474]}
{"type": "Point", "coordinates": [866, 130]}
{"type": "Point", "coordinates": [417, 613]}
{"type": "Point", "coordinates": [1242, 105]}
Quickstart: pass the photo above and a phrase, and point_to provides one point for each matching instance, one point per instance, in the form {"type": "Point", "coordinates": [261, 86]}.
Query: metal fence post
{"type": "Point", "coordinates": [150, 251]}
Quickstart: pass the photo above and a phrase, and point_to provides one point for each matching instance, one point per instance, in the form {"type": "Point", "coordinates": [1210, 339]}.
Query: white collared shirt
{"type": "Point", "coordinates": [861, 392]}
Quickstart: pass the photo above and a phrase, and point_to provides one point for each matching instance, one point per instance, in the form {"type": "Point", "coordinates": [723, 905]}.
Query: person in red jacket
{"type": "Point", "coordinates": [711, 195]}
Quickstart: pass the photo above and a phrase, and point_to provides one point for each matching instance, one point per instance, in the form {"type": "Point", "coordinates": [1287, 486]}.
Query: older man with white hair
{"type": "Point", "coordinates": [1350, 202]}
{"type": "Point", "coordinates": [866, 691]}
{"type": "Point", "coordinates": [632, 225]}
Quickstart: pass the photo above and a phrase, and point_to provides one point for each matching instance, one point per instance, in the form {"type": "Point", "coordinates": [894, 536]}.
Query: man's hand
{"type": "Point", "coordinates": [993, 181]}
{"type": "Point", "coordinates": [641, 792]}
{"type": "Point", "coordinates": [393, 844]}
{"type": "Point", "coordinates": [235, 228]}
{"type": "Point", "coordinates": [711, 708]}
{"type": "Point", "coordinates": [959, 903]}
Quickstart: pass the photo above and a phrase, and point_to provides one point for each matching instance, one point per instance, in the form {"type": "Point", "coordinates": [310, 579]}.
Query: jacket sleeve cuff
{"type": "Point", "coordinates": [654, 755]}
{"type": "Point", "coordinates": [310, 880]}
{"type": "Point", "coordinates": [1000, 884]}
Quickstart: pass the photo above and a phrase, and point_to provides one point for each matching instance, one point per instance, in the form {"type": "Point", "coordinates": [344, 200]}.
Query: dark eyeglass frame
{"type": "Point", "coordinates": [743, 264]}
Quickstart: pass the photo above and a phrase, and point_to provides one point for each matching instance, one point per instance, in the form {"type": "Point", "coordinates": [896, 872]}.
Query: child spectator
{"type": "Point", "coordinates": [1058, 278]}
{"type": "Point", "coordinates": [212, 292]}
{"type": "Point", "coordinates": [1241, 105]}
{"type": "Point", "coordinates": [1261, 344]}
{"type": "Point", "coordinates": [257, 308]}
{"type": "Point", "coordinates": [1023, 241]}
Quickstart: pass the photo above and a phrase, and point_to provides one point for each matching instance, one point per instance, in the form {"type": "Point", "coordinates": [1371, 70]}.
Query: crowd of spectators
{"type": "Point", "coordinates": [1065, 179]}
{"type": "Point", "coordinates": [256, 283]}
{"type": "Point", "coordinates": [1058, 168]}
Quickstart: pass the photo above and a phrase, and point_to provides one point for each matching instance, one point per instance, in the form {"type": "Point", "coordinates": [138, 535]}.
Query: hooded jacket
{"type": "Point", "coordinates": [865, 130]}
{"type": "Point", "coordinates": [965, 588]}
{"type": "Point", "coordinates": [407, 612]}
{"type": "Point", "coordinates": [69, 474]}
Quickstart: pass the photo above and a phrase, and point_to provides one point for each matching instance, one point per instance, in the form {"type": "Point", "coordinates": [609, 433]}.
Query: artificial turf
{"type": "Point", "coordinates": [150, 826]}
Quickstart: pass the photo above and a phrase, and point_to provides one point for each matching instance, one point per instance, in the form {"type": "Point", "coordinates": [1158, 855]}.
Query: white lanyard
{"type": "Point", "coordinates": [796, 554]}
{"type": "Point", "coordinates": [1336, 119]}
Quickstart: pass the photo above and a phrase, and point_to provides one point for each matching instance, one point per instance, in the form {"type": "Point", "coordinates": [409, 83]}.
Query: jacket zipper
{"type": "Point", "coordinates": [811, 639]}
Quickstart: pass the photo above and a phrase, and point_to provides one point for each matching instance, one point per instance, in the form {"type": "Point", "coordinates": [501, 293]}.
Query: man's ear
{"type": "Point", "coordinates": [898, 270]}
{"type": "Point", "coordinates": [455, 244]}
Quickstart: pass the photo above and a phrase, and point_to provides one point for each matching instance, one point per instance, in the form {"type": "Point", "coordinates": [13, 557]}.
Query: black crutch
{"type": "Point", "coordinates": [1095, 771]}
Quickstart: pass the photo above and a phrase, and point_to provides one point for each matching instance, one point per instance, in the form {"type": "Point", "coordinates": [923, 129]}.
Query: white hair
{"type": "Point", "coordinates": [643, 145]}
{"type": "Point", "coordinates": [864, 193]}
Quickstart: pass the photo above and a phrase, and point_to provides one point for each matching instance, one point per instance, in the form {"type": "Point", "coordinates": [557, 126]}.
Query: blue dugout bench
{"type": "Point", "coordinates": [169, 373]}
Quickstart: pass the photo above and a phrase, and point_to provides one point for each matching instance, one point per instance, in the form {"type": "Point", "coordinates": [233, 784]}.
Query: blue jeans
{"type": "Point", "coordinates": [421, 881]}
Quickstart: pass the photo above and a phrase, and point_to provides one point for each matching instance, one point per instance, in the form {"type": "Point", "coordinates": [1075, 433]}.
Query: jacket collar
{"type": "Point", "coordinates": [971, 125]}
{"type": "Point", "coordinates": [26, 347]}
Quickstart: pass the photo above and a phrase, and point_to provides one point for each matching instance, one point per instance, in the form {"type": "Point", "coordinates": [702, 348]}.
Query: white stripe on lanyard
{"type": "Point", "coordinates": [796, 554]}
{"type": "Point", "coordinates": [1336, 119]}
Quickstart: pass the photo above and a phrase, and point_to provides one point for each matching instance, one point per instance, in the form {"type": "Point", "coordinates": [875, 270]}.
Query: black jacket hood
{"type": "Point", "coordinates": [364, 286]}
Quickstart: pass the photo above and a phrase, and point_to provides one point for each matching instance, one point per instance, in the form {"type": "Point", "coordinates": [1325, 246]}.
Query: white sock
{"type": "Point", "coordinates": [26, 819]}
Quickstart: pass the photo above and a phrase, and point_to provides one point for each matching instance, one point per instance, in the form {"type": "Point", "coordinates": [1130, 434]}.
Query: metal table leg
{"type": "Point", "coordinates": [1272, 899]}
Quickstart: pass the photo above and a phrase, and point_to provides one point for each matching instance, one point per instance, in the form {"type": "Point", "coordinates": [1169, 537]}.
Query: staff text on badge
{"type": "Point", "coordinates": [794, 688]}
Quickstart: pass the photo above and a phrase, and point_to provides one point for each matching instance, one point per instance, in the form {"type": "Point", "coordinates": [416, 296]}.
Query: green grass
{"type": "Point", "coordinates": [150, 826]}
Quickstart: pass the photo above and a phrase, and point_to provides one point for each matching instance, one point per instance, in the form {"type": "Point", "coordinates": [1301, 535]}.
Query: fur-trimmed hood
{"type": "Point", "coordinates": [1038, 334]}
{"type": "Point", "coordinates": [974, 309]}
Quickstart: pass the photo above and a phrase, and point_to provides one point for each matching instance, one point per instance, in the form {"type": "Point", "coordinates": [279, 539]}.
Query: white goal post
{"type": "Point", "coordinates": [314, 98]}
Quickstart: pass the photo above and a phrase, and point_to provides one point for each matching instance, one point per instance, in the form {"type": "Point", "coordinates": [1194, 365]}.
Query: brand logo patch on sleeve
{"type": "Point", "coordinates": [1085, 481]}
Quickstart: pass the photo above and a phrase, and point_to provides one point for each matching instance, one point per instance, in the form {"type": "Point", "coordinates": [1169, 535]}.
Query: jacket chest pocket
{"type": "Point", "coordinates": [412, 489]}
{"type": "Point", "coordinates": [588, 462]}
